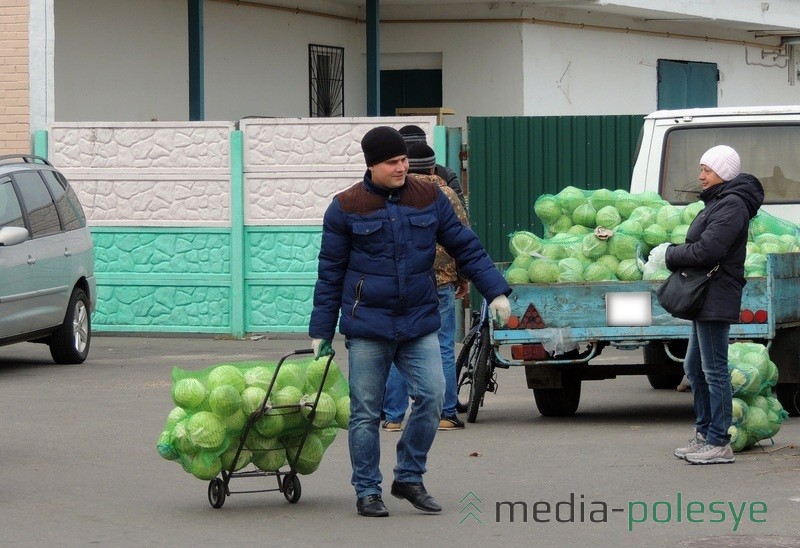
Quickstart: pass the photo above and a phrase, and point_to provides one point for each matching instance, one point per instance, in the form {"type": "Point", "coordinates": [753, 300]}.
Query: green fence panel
{"type": "Point", "coordinates": [162, 279]}
{"type": "Point", "coordinates": [232, 279]}
{"type": "Point", "coordinates": [280, 273]}
{"type": "Point", "coordinates": [514, 160]}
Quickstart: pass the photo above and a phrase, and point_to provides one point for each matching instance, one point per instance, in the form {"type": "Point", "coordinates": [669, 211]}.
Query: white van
{"type": "Point", "coordinates": [766, 138]}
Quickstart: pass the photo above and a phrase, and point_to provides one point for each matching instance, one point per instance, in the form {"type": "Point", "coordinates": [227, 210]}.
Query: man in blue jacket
{"type": "Point", "coordinates": [376, 278]}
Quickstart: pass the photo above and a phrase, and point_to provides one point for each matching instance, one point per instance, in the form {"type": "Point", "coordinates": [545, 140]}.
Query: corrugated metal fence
{"type": "Point", "coordinates": [513, 160]}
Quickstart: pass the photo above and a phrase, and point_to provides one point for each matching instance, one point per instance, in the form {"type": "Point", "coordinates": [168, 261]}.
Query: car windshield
{"type": "Point", "coordinates": [768, 152]}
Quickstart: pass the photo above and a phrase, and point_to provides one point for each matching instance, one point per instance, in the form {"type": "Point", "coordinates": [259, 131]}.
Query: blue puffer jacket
{"type": "Point", "coordinates": [719, 235]}
{"type": "Point", "coordinates": [376, 261]}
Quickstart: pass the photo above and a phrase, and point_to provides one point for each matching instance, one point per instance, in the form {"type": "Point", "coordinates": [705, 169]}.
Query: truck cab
{"type": "Point", "coordinates": [766, 138]}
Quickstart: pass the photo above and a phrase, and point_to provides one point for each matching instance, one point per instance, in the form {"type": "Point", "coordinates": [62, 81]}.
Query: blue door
{"type": "Point", "coordinates": [686, 84]}
{"type": "Point", "coordinates": [410, 89]}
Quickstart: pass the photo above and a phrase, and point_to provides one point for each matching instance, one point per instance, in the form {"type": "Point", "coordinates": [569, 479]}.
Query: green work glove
{"type": "Point", "coordinates": [322, 347]}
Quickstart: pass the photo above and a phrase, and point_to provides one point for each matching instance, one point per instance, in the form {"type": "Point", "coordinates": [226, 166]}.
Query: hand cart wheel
{"type": "Point", "coordinates": [291, 488]}
{"type": "Point", "coordinates": [216, 492]}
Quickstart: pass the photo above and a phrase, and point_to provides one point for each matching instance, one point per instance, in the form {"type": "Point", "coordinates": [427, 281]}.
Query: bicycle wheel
{"type": "Point", "coordinates": [479, 364]}
{"type": "Point", "coordinates": [464, 371]}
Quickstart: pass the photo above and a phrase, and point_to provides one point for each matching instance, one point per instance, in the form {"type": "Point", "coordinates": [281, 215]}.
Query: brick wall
{"type": "Point", "coordinates": [14, 96]}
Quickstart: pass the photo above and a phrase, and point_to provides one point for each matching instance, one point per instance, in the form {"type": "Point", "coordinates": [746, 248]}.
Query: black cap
{"type": "Point", "coordinates": [413, 134]}
{"type": "Point", "coordinates": [381, 143]}
{"type": "Point", "coordinates": [421, 158]}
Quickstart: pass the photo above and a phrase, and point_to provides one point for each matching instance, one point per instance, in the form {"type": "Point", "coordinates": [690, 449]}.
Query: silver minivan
{"type": "Point", "coordinates": [47, 283]}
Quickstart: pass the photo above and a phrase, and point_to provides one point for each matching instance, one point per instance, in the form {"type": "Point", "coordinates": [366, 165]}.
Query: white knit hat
{"type": "Point", "coordinates": [723, 160]}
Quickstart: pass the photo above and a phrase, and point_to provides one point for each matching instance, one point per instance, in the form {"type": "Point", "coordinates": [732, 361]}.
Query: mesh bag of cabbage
{"type": "Point", "coordinates": [766, 223]}
{"type": "Point", "coordinates": [213, 407]}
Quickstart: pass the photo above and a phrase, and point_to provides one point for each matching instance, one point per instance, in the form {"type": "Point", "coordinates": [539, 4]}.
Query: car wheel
{"type": "Point", "coordinates": [69, 344]}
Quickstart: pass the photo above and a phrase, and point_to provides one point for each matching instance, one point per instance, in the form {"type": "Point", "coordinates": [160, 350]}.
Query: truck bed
{"type": "Point", "coordinates": [561, 315]}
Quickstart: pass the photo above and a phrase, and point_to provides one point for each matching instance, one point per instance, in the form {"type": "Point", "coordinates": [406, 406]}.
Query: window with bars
{"type": "Point", "coordinates": [325, 81]}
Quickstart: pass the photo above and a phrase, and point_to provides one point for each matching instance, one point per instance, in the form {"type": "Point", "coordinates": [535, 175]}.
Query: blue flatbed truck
{"type": "Point", "coordinates": [558, 329]}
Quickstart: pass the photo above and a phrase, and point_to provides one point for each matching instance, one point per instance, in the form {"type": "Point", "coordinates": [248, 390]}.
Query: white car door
{"type": "Point", "coordinates": [16, 269]}
{"type": "Point", "coordinates": [49, 249]}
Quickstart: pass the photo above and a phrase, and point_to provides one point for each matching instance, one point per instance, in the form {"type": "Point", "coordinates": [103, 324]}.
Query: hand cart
{"type": "Point", "coordinates": [287, 481]}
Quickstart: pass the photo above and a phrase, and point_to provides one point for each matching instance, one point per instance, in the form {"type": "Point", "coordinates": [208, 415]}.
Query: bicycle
{"type": "Point", "coordinates": [475, 366]}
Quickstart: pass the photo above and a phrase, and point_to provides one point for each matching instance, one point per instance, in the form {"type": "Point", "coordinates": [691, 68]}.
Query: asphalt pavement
{"type": "Point", "coordinates": [80, 466]}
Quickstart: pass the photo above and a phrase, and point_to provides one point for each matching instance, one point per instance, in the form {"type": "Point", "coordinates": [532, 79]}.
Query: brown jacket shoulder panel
{"type": "Point", "coordinates": [416, 193]}
{"type": "Point", "coordinates": [358, 201]}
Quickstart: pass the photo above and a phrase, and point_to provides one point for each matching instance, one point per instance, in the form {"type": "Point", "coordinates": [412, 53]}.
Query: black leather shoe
{"type": "Point", "coordinates": [416, 494]}
{"type": "Point", "coordinates": [372, 506]}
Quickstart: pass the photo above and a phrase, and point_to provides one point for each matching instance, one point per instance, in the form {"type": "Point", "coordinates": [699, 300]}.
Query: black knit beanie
{"type": "Point", "coordinates": [381, 143]}
{"type": "Point", "coordinates": [421, 158]}
{"type": "Point", "coordinates": [413, 134]}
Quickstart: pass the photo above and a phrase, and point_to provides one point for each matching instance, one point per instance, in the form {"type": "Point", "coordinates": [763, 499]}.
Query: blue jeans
{"type": "Point", "coordinates": [706, 366]}
{"type": "Point", "coordinates": [421, 365]}
{"type": "Point", "coordinates": [396, 401]}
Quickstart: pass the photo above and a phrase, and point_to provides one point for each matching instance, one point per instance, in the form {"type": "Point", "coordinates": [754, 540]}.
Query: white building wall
{"type": "Point", "coordinates": [120, 60]}
{"type": "Point", "coordinates": [581, 72]}
{"type": "Point", "coordinates": [117, 60]}
{"type": "Point", "coordinates": [481, 64]}
{"type": "Point", "coordinates": [41, 39]}
{"type": "Point", "coordinates": [256, 61]}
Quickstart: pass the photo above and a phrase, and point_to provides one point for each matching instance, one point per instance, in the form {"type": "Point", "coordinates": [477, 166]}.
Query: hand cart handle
{"type": "Point", "coordinates": [309, 351]}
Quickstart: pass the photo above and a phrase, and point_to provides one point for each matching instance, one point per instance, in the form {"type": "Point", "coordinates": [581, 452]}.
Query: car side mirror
{"type": "Point", "coordinates": [12, 235]}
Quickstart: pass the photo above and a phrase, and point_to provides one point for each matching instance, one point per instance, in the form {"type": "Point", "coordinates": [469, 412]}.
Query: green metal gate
{"type": "Point", "coordinates": [513, 160]}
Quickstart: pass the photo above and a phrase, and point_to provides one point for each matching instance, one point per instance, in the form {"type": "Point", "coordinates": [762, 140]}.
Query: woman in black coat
{"type": "Point", "coordinates": [717, 236]}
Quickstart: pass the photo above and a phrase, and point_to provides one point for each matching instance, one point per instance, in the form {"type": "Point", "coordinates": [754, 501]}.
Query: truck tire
{"type": "Point", "coordinates": [785, 352]}
{"type": "Point", "coordinates": [789, 396]}
{"type": "Point", "coordinates": [654, 354]}
{"type": "Point", "coordinates": [559, 402]}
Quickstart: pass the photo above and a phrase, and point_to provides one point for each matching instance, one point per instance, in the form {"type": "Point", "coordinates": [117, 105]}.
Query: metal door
{"type": "Point", "coordinates": [686, 84]}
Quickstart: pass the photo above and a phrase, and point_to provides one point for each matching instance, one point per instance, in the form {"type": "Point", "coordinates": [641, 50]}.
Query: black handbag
{"type": "Point", "coordinates": [683, 293]}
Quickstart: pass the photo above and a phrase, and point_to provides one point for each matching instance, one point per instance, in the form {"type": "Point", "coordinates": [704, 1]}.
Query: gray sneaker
{"type": "Point", "coordinates": [711, 454]}
{"type": "Point", "coordinates": [694, 444]}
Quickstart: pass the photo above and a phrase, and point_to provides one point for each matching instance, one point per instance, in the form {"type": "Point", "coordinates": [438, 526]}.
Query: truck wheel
{"type": "Point", "coordinates": [559, 402]}
{"type": "Point", "coordinates": [654, 354]}
{"type": "Point", "coordinates": [789, 396]}
{"type": "Point", "coordinates": [662, 382]}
